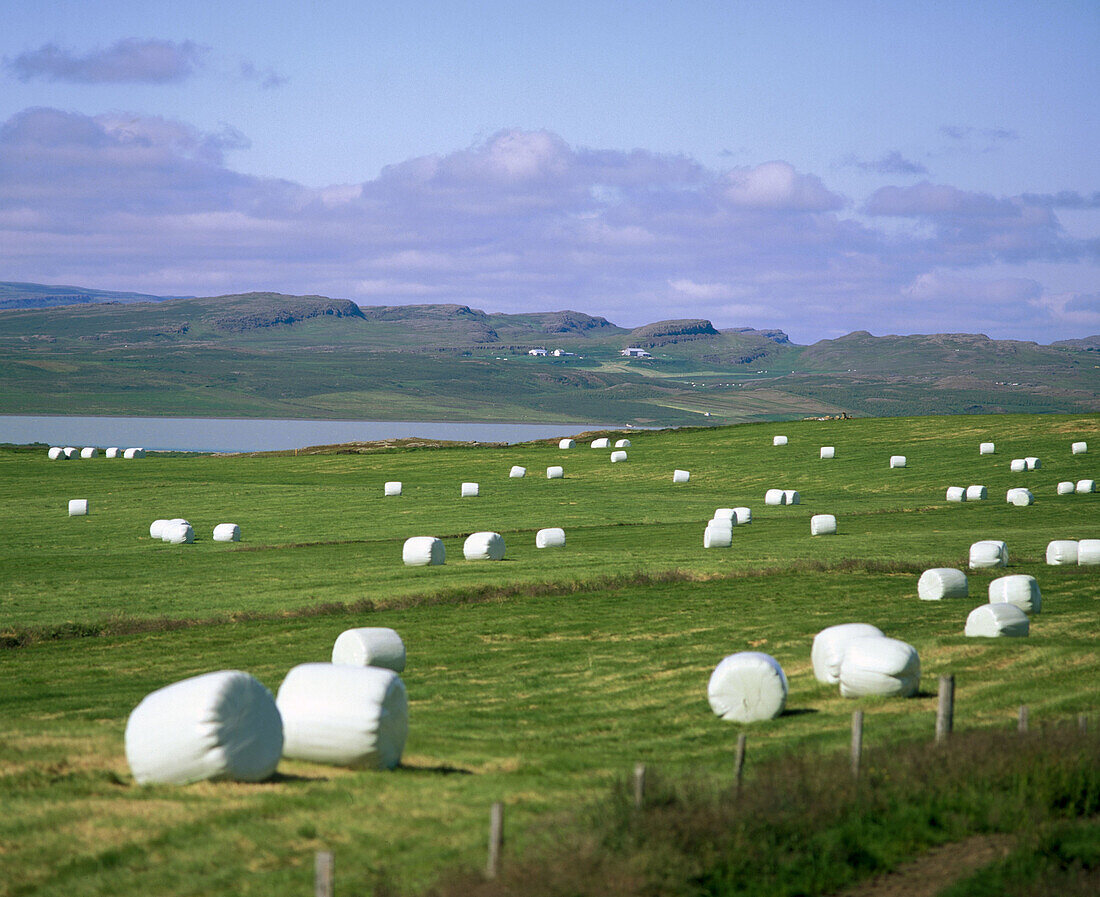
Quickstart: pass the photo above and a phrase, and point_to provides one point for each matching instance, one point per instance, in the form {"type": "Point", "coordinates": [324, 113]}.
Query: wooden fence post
{"type": "Point", "coordinates": [739, 761]}
{"type": "Point", "coordinates": [639, 785]}
{"type": "Point", "coordinates": [324, 874]}
{"type": "Point", "coordinates": [1021, 722]}
{"type": "Point", "coordinates": [945, 712]}
{"type": "Point", "coordinates": [857, 742]}
{"type": "Point", "coordinates": [496, 839]}
{"type": "Point", "coordinates": [1083, 723]}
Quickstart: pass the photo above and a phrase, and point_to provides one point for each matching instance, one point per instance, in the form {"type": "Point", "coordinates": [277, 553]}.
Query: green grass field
{"type": "Point", "coordinates": [538, 680]}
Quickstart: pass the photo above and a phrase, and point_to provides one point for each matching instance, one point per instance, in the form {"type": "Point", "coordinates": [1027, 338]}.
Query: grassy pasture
{"type": "Point", "coordinates": [539, 679]}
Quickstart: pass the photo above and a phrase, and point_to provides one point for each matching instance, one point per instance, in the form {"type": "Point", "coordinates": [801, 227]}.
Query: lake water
{"type": "Point", "coordinates": [207, 434]}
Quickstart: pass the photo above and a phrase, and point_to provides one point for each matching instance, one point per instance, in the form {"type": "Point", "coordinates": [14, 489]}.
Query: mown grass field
{"type": "Point", "coordinates": [538, 680]}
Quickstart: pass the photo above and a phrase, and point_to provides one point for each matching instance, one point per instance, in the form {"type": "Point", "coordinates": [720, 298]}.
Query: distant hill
{"type": "Point", "coordinates": [40, 295]}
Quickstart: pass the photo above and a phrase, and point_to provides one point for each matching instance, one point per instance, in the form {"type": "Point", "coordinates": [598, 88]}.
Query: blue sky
{"type": "Point", "coordinates": [819, 167]}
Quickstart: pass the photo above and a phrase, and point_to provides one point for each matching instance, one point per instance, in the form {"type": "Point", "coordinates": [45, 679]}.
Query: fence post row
{"type": "Point", "coordinates": [945, 712]}
{"type": "Point", "coordinates": [324, 874]}
{"type": "Point", "coordinates": [1021, 722]}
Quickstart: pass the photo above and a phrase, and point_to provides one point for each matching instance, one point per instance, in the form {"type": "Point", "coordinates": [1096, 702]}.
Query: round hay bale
{"type": "Point", "coordinates": [550, 537]}
{"type": "Point", "coordinates": [517, 472]}
{"type": "Point", "coordinates": [1019, 589]}
{"type": "Point", "coordinates": [344, 715]}
{"type": "Point", "coordinates": [986, 448]}
{"type": "Point", "coordinates": [1033, 463]}
{"type": "Point", "coordinates": [879, 666]}
{"type": "Point", "coordinates": [483, 547]}
{"type": "Point", "coordinates": [831, 643]}
{"type": "Point", "coordinates": [70, 452]}
{"type": "Point", "coordinates": [601, 443]}
{"type": "Point", "coordinates": [828, 451]}
{"type": "Point", "coordinates": [423, 551]}
{"type": "Point", "coordinates": [726, 514]}
{"type": "Point", "coordinates": [1062, 551]}
{"type": "Point", "coordinates": [156, 528]}
{"type": "Point", "coordinates": [1085, 486]}
{"type": "Point", "coordinates": [129, 454]}
{"type": "Point", "coordinates": [1066, 487]}
{"type": "Point", "coordinates": [55, 453]}
{"type": "Point", "coordinates": [227, 532]}
{"type": "Point", "coordinates": [1020, 497]}
{"type": "Point", "coordinates": [622, 443]}
{"type": "Point", "coordinates": [1088, 552]}
{"type": "Point", "coordinates": [775, 497]}
{"type": "Point", "coordinates": [742, 515]}
{"type": "Point", "coordinates": [221, 725]}
{"type": "Point", "coordinates": [779, 440]}
{"type": "Point", "coordinates": [956, 493]}
{"type": "Point", "coordinates": [177, 533]}
{"type": "Point", "coordinates": [393, 487]}
{"type": "Point", "coordinates": [78, 507]}
{"type": "Point", "coordinates": [996, 621]}
{"type": "Point", "coordinates": [718, 534]}
{"type": "Point", "coordinates": [1078, 448]}
{"type": "Point", "coordinates": [616, 457]}
{"type": "Point", "coordinates": [370, 646]}
{"type": "Point", "coordinates": [976, 493]}
{"type": "Point", "coordinates": [897, 461]}
{"type": "Point", "coordinates": [113, 452]}
{"type": "Point", "coordinates": [1017, 465]}
{"type": "Point", "coordinates": [942, 582]}
{"type": "Point", "coordinates": [680, 476]}
{"type": "Point", "coordinates": [566, 444]}
{"type": "Point", "coordinates": [470, 490]}
{"type": "Point", "coordinates": [791, 497]}
{"type": "Point", "coordinates": [89, 451]}
{"type": "Point", "coordinates": [747, 687]}
{"type": "Point", "coordinates": [988, 553]}
{"type": "Point", "coordinates": [823, 525]}
{"type": "Point", "coordinates": [555, 472]}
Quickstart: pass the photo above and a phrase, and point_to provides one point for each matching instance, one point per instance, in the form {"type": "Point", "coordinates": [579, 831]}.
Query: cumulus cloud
{"type": "Point", "coordinates": [519, 221]}
{"type": "Point", "coordinates": [892, 162]}
{"type": "Point", "coordinates": [1064, 199]}
{"type": "Point", "coordinates": [131, 59]}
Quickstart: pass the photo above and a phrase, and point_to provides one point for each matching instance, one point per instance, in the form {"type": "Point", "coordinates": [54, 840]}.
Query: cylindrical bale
{"type": "Point", "coordinates": [1085, 486]}
{"type": "Point", "coordinates": [726, 514]}
{"type": "Point", "coordinates": [517, 472]}
{"type": "Point", "coordinates": [1088, 552]}
{"type": "Point", "coordinates": [156, 528]}
{"type": "Point", "coordinates": [779, 440]}
{"type": "Point", "coordinates": [89, 451]}
{"type": "Point", "coordinates": [601, 443]}
{"type": "Point", "coordinates": [823, 525]}
{"type": "Point", "coordinates": [1032, 462]}
{"type": "Point", "coordinates": [344, 715]}
{"type": "Point", "coordinates": [221, 725]}
{"type": "Point", "coordinates": [555, 472]}
{"type": "Point", "coordinates": [1066, 487]}
{"type": "Point", "coordinates": [747, 687]}
{"type": "Point", "coordinates": [976, 493]}
{"type": "Point", "coordinates": [566, 443]}
{"type": "Point", "coordinates": [550, 537]}
{"type": "Point", "coordinates": [392, 487]}
{"type": "Point", "coordinates": [618, 456]}
{"type": "Point", "coordinates": [370, 646]}
{"type": "Point", "coordinates": [988, 553]}
{"type": "Point", "coordinates": [879, 666]}
{"type": "Point", "coordinates": [1019, 589]}
{"type": "Point", "coordinates": [828, 451]}
{"type": "Point", "coordinates": [956, 493]}
{"type": "Point", "coordinates": [129, 454]}
{"type": "Point", "coordinates": [70, 452]}
{"type": "Point", "coordinates": [56, 452]}
{"type": "Point", "coordinates": [423, 551]}
{"type": "Point", "coordinates": [470, 490]}
{"type": "Point", "coordinates": [831, 643]}
{"type": "Point", "coordinates": [1020, 497]}
{"type": "Point", "coordinates": [483, 547]}
{"type": "Point", "coordinates": [775, 497]}
{"type": "Point", "coordinates": [113, 452]}
{"type": "Point", "coordinates": [227, 532]}
{"type": "Point", "coordinates": [1079, 448]}
{"type": "Point", "coordinates": [996, 621]}
{"type": "Point", "coordinates": [177, 533]}
{"type": "Point", "coordinates": [986, 448]}
{"type": "Point", "coordinates": [718, 534]}
{"type": "Point", "coordinates": [78, 507]}
{"type": "Point", "coordinates": [742, 515]}
{"type": "Point", "coordinates": [680, 476]}
{"type": "Point", "coordinates": [791, 497]}
{"type": "Point", "coordinates": [622, 443]}
{"type": "Point", "coordinates": [1062, 551]}
{"type": "Point", "coordinates": [897, 461]}
{"type": "Point", "coordinates": [942, 582]}
{"type": "Point", "coordinates": [1017, 465]}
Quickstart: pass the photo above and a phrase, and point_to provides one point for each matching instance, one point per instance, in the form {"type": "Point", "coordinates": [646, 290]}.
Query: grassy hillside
{"type": "Point", "coordinates": [540, 679]}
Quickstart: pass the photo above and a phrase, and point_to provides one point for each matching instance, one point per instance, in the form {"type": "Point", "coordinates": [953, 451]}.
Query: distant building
{"type": "Point", "coordinates": [633, 352]}
{"type": "Point", "coordinates": [561, 353]}
{"type": "Point", "coordinates": [536, 352]}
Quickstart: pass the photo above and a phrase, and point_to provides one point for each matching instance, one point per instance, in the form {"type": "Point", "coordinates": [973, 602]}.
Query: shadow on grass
{"type": "Point", "coordinates": [441, 769]}
{"type": "Point", "coordinates": [798, 711]}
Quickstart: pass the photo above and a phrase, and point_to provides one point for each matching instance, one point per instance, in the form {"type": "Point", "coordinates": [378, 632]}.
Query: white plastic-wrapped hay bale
{"type": "Point", "coordinates": [1062, 551]}
{"type": "Point", "coordinates": [601, 443]}
{"type": "Point", "coordinates": [550, 537]}
{"type": "Point", "coordinates": [1085, 486]}
{"type": "Point", "coordinates": [680, 476]}
{"type": "Point", "coordinates": [370, 646]}
{"type": "Point", "coordinates": [1088, 552]}
{"type": "Point", "coordinates": [956, 493]}
{"type": "Point", "coordinates": [976, 493]}
{"type": "Point", "coordinates": [113, 452]}
{"type": "Point", "coordinates": [897, 461]}
{"type": "Point", "coordinates": [156, 528]}
{"type": "Point", "coordinates": [483, 547]}
{"type": "Point", "coordinates": [718, 534]}
{"type": "Point", "coordinates": [997, 620]}
{"type": "Point", "coordinates": [222, 725]}
{"type": "Point", "coordinates": [986, 448]}
{"type": "Point", "coordinates": [1066, 487]}
{"type": "Point", "coordinates": [1017, 465]}
{"type": "Point", "coordinates": [742, 515]}
{"type": "Point", "coordinates": [1032, 462]}
{"type": "Point", "coordinates": [616, 457]}
{"type": "Point", "coordinates": [779, 440]}
{"type": "Point", "coordinates": [1078, 448]}
{"type": "Point", "coordinates": [775, 497]}
{"type": "Point", "coordinates": [1020, 497]}
{"type": "Point", "coordinates": [517, 472]}
{"type": "Point", "coordinates": [747, 687]}
{"type": "Point", "coordinates": [828, 451]}
{"type": "Point", "coordinates": [823, 525]}
{"type": "Point", "coordinates": [1019, 589]}
{"type": "Point", "coordinates": [726, 514]}
{"type": "Point", "coordinates": [227, 532]}
{"type": "Point", "coordinates": [89, 451]}
{"type": "Point", "coordinates": [556, 472]}
{"type": "Point", "coordinates": [344, 715]}
{"type": "Point", "coordinates": [622, 443]}
{"type": "Point", "coordinates": [470, 490]}
{"type": "Point", "coordinates": [56, 452]}
{"type": "Point", "coordinates": [423, 551]}
{"type": "Point", "coordinates": [879, 666]}
{"type": "Point", "coordinates": [942, 582]}
{"type": "Point", "coordinates": [78, 507]}
{"type": "Point", "coordinates": [392, 487]}
{"type": "Point", "coordinates": [988, 553]}
{"type": "Point", "coordinates": [130, 453]}
{"type": "Point", "coordinates": [831, 643]}
{"type": "Point", "coordinates": [70, 452]}
{"type": "Point", "coordinates": [566, 443]}
{"type": "Point", "coordinates": [177, 533]}
{"type": "Point", "coordinates": [791, 497]}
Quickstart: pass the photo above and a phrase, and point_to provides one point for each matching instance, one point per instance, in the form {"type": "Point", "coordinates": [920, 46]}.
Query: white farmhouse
{"type": "Point", "coordinates": [536, 352]}
{"type": "Point", "coordinates": [634, 352]}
